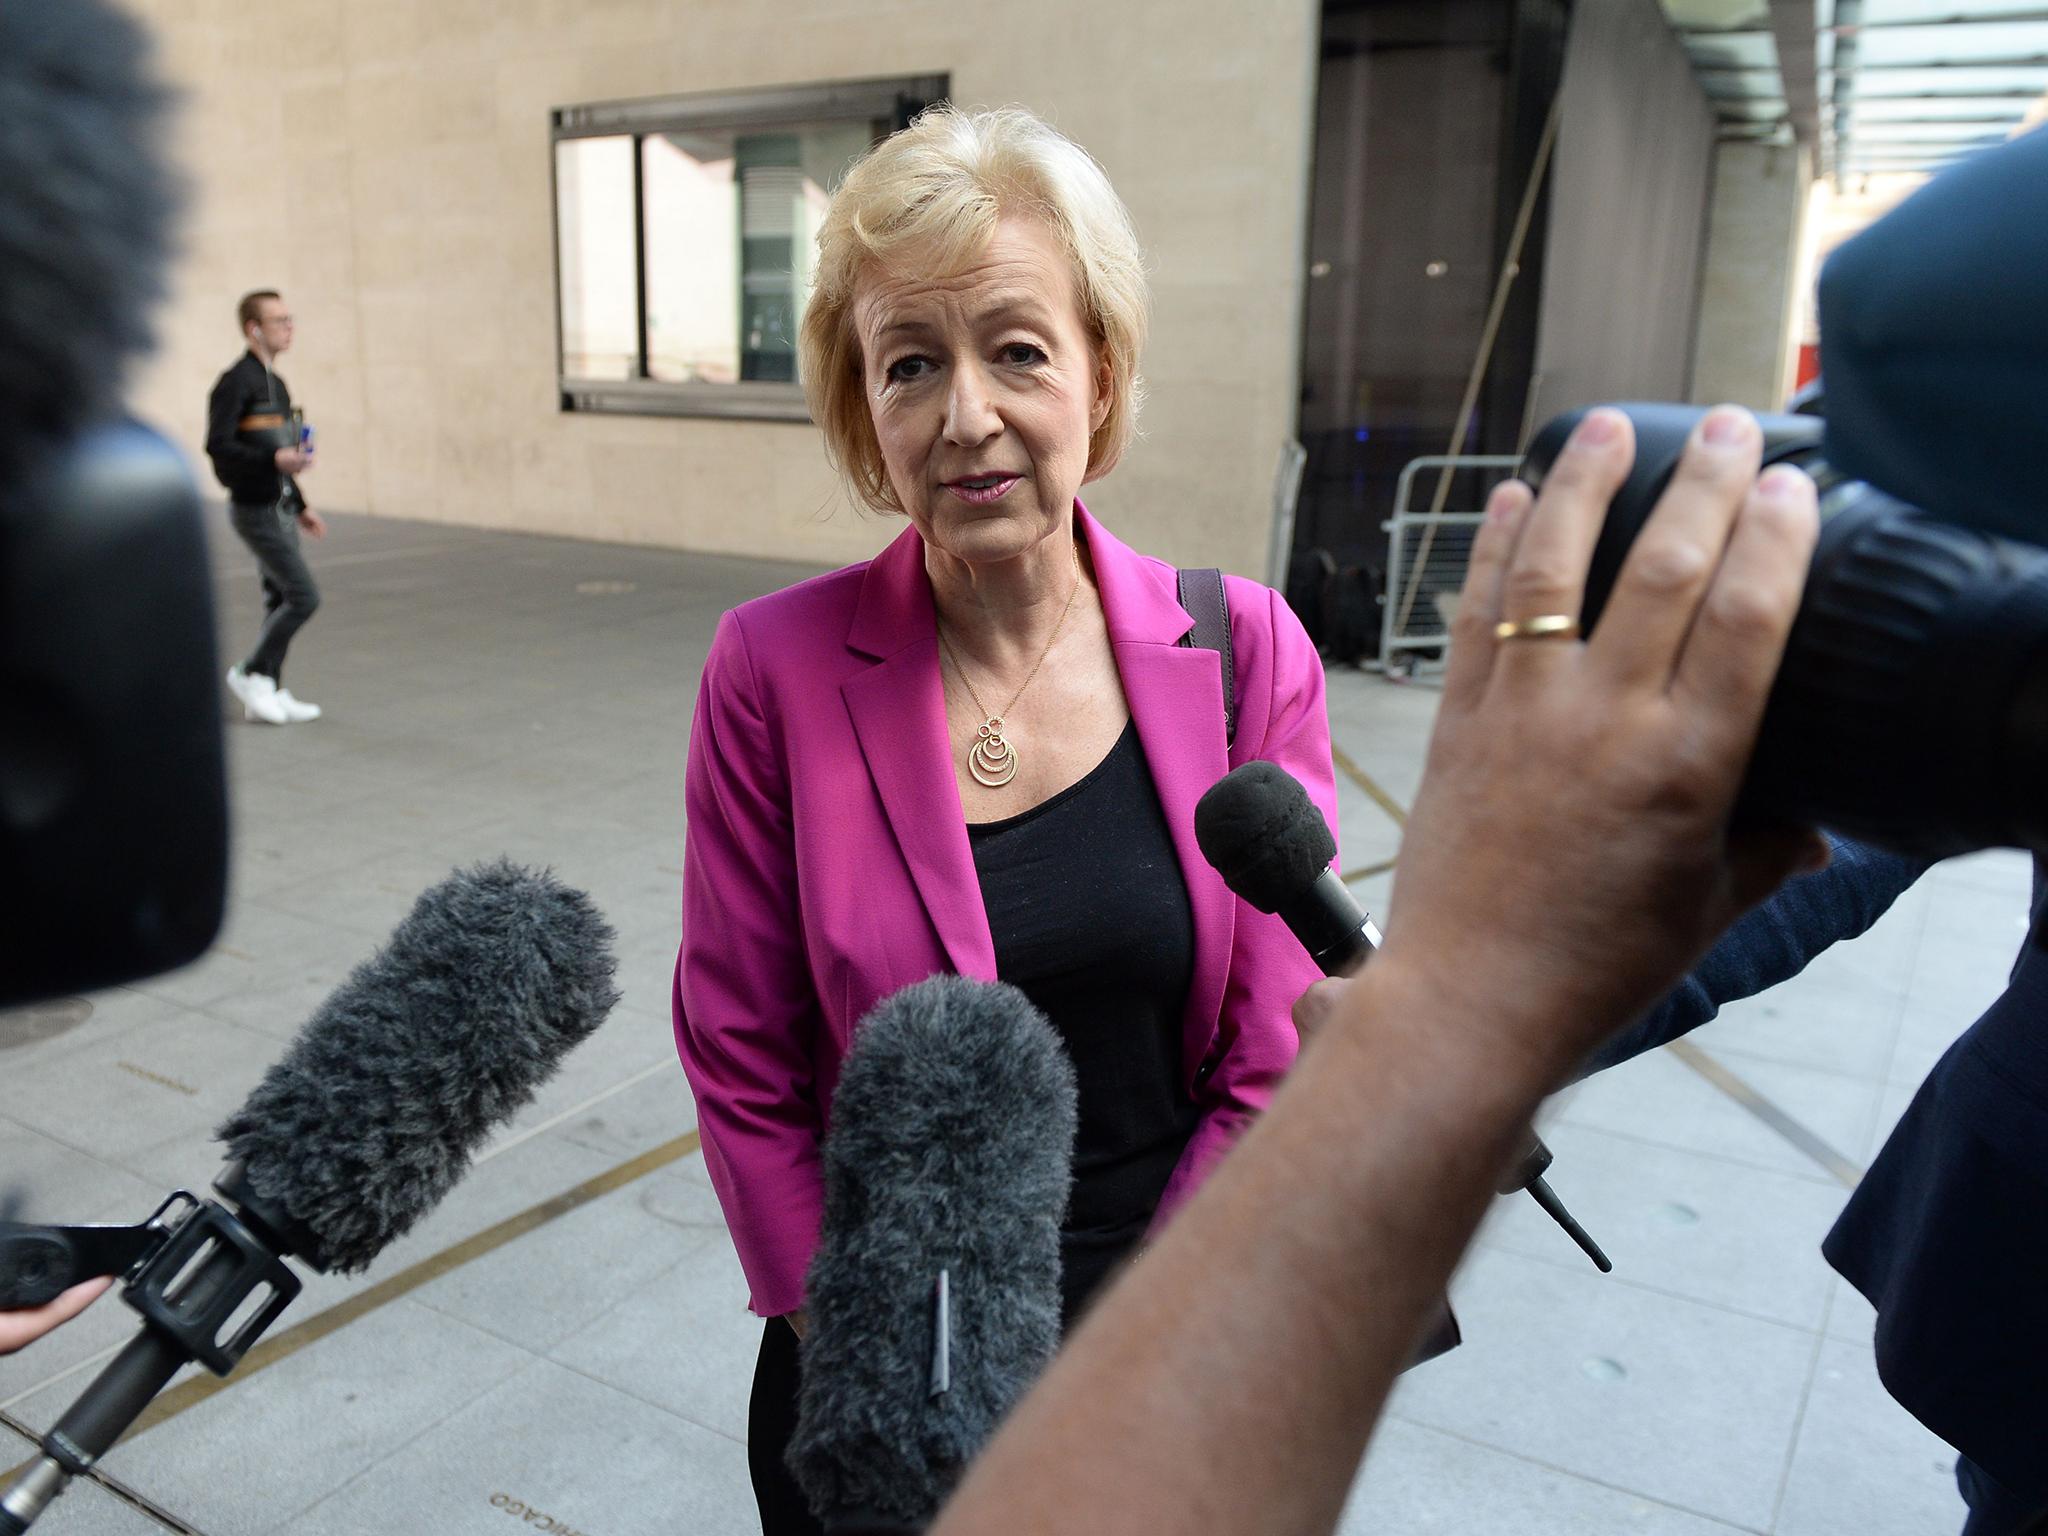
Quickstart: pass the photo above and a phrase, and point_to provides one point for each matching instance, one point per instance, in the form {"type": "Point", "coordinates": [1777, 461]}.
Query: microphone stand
{"type": "Point", "coordinates": [1341, 937]}
{"type": "Point", "coordinates": [191, 1270]}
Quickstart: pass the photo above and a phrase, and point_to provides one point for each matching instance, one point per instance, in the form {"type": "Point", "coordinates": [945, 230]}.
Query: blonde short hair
{"type": "Point", "coordinates": [939, 187]}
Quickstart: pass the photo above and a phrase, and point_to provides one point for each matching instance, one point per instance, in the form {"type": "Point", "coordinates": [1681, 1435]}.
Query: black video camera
{"type": "Point", "coordinates": [113, 796]}
{"type": "Point", "coordinates": [113, 805]}
{"type": "Point", "coordinates": [1911, 709]}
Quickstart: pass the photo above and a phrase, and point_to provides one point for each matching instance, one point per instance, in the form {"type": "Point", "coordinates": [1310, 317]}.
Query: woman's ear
{"type": "Point", "coordinates": [1105, 391]}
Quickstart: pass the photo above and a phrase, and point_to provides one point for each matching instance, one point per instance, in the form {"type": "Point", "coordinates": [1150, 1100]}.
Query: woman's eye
{"type": "Point", "coordinates": [1022, 354]}
{"type": "Point", "coordinates": [904, 369]}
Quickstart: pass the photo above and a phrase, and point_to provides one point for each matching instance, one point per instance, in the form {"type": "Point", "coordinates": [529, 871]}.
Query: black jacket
{"type": "Point", "coordinates": [1947, 1235]}
{"type": "Point", "coordinates": [242, 461]}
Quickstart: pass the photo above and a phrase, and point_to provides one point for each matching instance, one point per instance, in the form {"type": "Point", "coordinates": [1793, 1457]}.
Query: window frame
{"type": "Point", "coordinates": [895, 99]}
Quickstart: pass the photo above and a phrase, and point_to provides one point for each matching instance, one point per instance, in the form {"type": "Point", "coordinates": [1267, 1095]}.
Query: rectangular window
{"type": "Point", "coordinates": [684, 236]}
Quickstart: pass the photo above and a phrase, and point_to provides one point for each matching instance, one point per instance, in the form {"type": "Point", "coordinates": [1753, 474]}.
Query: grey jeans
{"type": "Point", "coordinates": [289, 595]}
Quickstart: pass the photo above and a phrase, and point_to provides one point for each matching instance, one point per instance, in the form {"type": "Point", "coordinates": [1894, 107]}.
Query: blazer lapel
{"type": "Point", "coordinates": [1176, 698]}
{"type": "Point", "coordinates": [898, 708]}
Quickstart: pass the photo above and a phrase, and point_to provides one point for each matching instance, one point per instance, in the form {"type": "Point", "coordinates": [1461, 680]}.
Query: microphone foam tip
{"type": "Point", "coordinates": [1263, 834]}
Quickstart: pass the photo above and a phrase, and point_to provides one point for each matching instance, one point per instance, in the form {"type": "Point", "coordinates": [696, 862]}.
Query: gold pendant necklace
{"type": "Point", "coordinates": [992, 756]}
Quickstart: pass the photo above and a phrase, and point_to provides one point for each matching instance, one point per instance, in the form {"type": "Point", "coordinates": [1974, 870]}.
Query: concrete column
{"type": "Point", "coordinates": [1745, 347]}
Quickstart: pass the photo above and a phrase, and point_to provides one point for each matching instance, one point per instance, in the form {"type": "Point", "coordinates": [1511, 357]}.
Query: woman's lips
{"type": "Point", "coordinates": [981, 496]}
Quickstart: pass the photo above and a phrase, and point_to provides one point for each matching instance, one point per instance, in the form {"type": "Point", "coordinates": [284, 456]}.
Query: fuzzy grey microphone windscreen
{"type": "Point", "coordinates": [87, 201]}
{"type": "Point", "coordinates": [372, 1114]}
{"type": "Point", "coordinates": [951, 1147]}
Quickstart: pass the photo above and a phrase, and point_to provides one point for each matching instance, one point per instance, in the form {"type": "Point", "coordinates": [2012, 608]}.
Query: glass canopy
{"type": "Point", "coordinates": [1876, 85]}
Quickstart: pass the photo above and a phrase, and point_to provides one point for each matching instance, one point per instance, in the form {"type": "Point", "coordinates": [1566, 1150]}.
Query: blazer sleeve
{"type": "Point", "coordinates": [746, 1013]}
{"type": "Point", "coordinates": [1281, 676]}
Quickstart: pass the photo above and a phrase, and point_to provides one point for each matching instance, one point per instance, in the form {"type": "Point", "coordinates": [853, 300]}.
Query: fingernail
{"type": "Point", "coordinates": [1780, 480]}
{"type": "Point", "coordinates": [1504, 503]}
{"type": "Point", "coordinates": [1600, 427]}
{"type": "Point", "coordinates": [1725, 426]}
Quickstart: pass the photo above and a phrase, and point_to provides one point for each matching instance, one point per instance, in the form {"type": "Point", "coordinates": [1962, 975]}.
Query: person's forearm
{"type": "Point", "coordinates": [1772, 944]}
{"type": "Point", "coordinates": [20, 1329]}
{"type": "Point", "coordinates": [224, 444]}
{"type": "Point", "coordinates": [1230, 1381]}
{"type": "Point", "coordinates": [224, 433]}
{"type": "Point", "coordinates": [1290, 1264]}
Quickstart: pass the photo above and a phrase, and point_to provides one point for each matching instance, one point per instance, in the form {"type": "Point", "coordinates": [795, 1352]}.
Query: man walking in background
{"type": "Point", "coordinates": [254, 441]}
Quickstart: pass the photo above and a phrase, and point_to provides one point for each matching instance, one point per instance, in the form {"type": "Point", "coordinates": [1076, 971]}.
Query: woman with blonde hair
{"type": "Point", "coordinates": [980, 751]}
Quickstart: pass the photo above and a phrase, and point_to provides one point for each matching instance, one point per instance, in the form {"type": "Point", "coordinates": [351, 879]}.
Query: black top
{"type": "Point", "coordinates": [245, 466]}
{"type": "Point", "coordinates": [1090, 917]}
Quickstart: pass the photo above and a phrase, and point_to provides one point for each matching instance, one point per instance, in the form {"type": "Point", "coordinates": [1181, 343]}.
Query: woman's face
{"type": "Point", "coordinates": [984, 388]}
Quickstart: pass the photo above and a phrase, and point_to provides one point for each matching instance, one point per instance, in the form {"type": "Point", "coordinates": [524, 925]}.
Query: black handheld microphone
{"type": "Point", "coordinates": [934, 1299]}
{"type": "Point", "coordinates": [370, 1117]}
{"type": "Point", "coordinates": [87, 209]}
{"type": "Point", "coordinates": [1257, 826]}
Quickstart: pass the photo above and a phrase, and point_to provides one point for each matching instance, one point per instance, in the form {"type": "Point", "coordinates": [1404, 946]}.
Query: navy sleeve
{"type": "Point", "coordinates": [1773, 943]}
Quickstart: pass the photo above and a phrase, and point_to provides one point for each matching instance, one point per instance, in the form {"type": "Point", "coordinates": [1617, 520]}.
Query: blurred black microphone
{"type": "Point", "coordinates": [370, 1117]}
{"type": "Point", "coordinates": [934, 1299]}
{"type": "Point", "coordinates": [86, 207]}
{"type": "Point", "coordinates": [1270, 844]}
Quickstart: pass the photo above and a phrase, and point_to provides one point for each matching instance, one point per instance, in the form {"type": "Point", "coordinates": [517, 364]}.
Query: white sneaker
{"type": "Point", "coordinates": [258, 695]}
{"type": "Point", "coordinates": [297, 710]}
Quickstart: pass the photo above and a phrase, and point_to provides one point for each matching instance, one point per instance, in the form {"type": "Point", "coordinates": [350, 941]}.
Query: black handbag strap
{"type": "Point", "coordinates": [1201, 593]}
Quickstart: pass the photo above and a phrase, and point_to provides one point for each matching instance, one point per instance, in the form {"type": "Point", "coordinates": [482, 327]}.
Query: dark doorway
{"type": "Point", "coordinates": [1428, 117]}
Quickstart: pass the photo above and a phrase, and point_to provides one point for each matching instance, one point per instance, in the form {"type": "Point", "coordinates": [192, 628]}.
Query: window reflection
{"type": "Point", "coordinates": [732, 220]}
{"type": "Point", "coordinates": [594, 214]}
{"type": "Point", "coordinates": [687, 231]}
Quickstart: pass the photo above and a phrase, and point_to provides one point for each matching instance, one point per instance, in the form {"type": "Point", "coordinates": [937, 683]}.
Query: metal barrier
{"type": "Point", "coordinates": [1286, 492]}
{"type": "Point", "coordinates": [1427, 553]}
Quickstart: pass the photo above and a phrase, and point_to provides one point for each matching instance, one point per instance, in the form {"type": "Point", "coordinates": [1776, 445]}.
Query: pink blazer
{"type": "Point", "coordinates": [827, 864]}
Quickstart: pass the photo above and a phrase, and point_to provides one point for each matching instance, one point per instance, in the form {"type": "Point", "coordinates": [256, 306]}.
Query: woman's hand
{"type": "Point", "coordinates": [1570, 853]}
{"type": "Point", "coordinates": [20, 1329]}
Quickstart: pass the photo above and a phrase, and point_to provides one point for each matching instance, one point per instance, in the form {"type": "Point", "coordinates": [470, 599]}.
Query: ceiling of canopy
{"type": "Point", "coordinates": [1876, 87]}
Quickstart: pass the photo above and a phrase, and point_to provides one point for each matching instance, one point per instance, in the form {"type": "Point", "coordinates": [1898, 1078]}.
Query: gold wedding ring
{"type": "Point", "coordinates": [1545, 626]}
